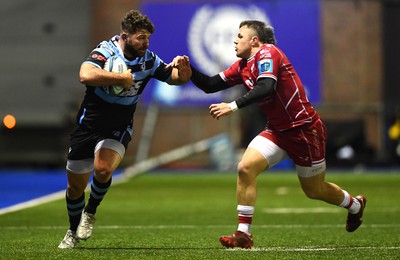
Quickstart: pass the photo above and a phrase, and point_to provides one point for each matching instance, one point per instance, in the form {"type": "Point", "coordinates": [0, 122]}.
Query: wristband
{"type": "Point", "coordinates": [233, 106]}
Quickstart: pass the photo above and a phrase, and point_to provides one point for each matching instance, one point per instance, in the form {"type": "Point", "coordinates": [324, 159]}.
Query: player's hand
{"type": "Point", "coordinates": [178, 60]}
{"type": "Point", "coordinates": [221, 109]}
{"type": "Point", "coordinates": [128, 79]}
{"type": "Point", "coordinates": [184, 71]}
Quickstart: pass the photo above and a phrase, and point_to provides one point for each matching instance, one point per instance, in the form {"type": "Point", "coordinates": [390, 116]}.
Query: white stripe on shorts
{"type": "Point", "coordinates": [86, 165]}
{"type": "Point", "coordinates": [271, 152]}
{"type": "Point", "coordinates": [274, 154]}
{"type": "Point", "coordinates": [111, 144]}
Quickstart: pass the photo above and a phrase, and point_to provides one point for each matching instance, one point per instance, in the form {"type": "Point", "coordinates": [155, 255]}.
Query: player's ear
{"type": "Point", "coordinates": [124, 36]}
{"type": "Point", "coordinates": [254, 40]}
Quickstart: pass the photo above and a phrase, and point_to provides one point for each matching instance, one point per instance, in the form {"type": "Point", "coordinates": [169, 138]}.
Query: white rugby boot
{"type": "Point", "coordinates": [70, 240]}
{"type": "Point", "coordinates": [85, 228]}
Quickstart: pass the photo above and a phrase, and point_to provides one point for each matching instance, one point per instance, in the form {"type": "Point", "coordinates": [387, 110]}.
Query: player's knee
{"type": "Point", "coordinates": [251, 168]}
{"type": "Point", "coordinates": [242, 168]}
{"type": "Point", "coordinates": [246, 170]}
{"type": "Point", "coordinates": [103, 171]}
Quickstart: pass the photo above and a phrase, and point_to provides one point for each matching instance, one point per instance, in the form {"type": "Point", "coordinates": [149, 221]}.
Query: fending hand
{"type": "Point", "coordinates": [177, 61]}
{"type": "Point", "coordinates": [181, 70]}
{"type": "Point", "coordinates": [218, 110]}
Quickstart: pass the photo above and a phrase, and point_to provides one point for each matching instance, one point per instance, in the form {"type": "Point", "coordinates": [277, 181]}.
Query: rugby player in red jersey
{"type": "Point", "coordinates": [294, 128]}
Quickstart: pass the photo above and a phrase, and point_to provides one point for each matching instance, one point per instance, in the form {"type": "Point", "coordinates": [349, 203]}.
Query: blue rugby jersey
{"type": "Point", "coordinates": [102, 111]}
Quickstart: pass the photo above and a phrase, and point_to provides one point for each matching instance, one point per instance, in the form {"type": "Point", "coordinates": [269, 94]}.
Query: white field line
{"type": "Point", "coordinates": [308, 249]}
{"type": "Point", "coordinates": [121, 178]}
{"type": "Point", "coordinates": [302, 210]}
{"type": "Point", "coordinates": [254, 249]}
{"type": "Point", "coordinates": [331, 209]}
{"type": "Point", "coordinates": [290, 226]}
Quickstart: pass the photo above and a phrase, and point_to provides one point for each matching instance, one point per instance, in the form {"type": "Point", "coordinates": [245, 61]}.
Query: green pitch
{"type": "Point", "coordinates": [181, 216]}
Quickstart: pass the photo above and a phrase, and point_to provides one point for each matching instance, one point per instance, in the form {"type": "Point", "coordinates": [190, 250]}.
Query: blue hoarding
{"type": "Point", "coordinates": [206, 32]}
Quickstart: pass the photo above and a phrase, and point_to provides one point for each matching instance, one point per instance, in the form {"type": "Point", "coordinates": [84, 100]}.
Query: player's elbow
{"type": "Point", "coordinates": [87, 73]}
{"type": "Point", "coordinates": [84, 77]}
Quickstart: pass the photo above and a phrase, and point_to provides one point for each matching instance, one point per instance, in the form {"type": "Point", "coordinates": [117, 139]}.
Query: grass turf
{"type": "Point", "coordinates": [181, 216]}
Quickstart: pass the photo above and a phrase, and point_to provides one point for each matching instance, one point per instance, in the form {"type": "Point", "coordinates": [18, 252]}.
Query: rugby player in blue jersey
{"type": "Point", "coordinates": [104, 121]}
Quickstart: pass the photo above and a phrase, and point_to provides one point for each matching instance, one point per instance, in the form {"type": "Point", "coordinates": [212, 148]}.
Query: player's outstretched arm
{"type": "Point", "coordinates": [206, 83]}
{"type": "Point", "coordinates": [181, 71]}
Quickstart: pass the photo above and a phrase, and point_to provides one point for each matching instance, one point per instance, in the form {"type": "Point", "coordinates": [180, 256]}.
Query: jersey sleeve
{"type": "Point", "coordinates": [232, 76]}
{"type": "Point", "coordinates": [268, 63]}
{"type": "Point", "coordinates": [100, 55]}
{"type": "Point", "coordinates": [97, 59]}
{"type": "Point", "coordinates": [160, 72]}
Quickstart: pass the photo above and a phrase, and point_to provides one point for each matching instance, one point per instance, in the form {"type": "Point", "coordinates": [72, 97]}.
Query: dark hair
{"type": "Point", "coordinates": [265, 32]}
{"type": "Point", "coordinates": [134, 21]}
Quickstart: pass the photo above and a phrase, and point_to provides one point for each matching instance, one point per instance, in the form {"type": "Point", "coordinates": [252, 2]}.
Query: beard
{"type": "Point", "coordinates": [131, 52]}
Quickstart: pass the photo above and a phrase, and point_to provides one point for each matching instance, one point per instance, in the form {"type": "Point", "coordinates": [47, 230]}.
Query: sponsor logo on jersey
{"type": "Point", "coordinates": [98, 57]}
{"type": "Point", "coordinates": [213, 30]}
{"type": "Point", "coordinates": [266, 65]}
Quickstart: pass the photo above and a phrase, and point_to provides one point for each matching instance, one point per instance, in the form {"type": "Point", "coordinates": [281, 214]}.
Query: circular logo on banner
{"type": "Point", "coordinates": [212, 33]}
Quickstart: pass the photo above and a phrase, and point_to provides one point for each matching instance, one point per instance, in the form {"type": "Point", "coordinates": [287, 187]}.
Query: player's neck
{"type": "Point", "coordinates": [254, 50]}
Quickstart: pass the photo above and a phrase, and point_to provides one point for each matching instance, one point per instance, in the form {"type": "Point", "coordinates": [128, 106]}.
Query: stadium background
{"type": "Point", "coordinates": [168, 213]}
{"type": "Point", "coordinates": [354, 71]}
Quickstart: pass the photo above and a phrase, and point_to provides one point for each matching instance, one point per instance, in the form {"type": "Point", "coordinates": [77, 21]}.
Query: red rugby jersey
{"type": "Point", "coordinates": [288, 105]}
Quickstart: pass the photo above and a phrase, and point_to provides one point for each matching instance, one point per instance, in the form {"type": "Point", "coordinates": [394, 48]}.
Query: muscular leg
{"type": "Point", "coordinates": [75, 202]}
{"type": "Point", "coordinates": [315, 187]}
{"type": "Point", "coordinates": [76, 184]}
{"type": "Point", "coordinates": [75, 197]}
{"type": "Point", "coordinates": [251, 165]}
{"type": "Point", "coordinates": [105, 163]}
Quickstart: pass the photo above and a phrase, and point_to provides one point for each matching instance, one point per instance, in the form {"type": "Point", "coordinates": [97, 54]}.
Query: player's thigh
{"type": "Point", "coordinates": [252, 162]}
{"type": "Point", "coordinates": [108, 155]}
{"type": "Point", "coordinates": [265, 151]}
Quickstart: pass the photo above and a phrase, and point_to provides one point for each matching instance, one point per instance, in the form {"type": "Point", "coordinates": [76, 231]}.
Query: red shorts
{"type": "Point", "coordinates": [305, 145]}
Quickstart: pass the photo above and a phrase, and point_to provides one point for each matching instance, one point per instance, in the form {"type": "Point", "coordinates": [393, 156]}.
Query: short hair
{"type": "Point", "coordinates": [135, 21]}
{"type": "Point", "coordinates": [265, 32]}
